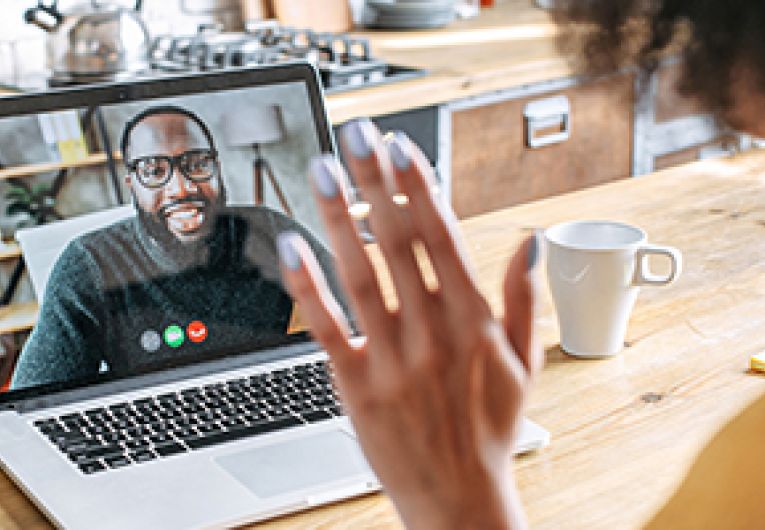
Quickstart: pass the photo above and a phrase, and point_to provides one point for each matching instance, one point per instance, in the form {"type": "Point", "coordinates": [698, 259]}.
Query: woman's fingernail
{"type": "Point", "coordinates": [358, 136]}
{"type": "Point", "coordinates": [533, 252]}
{"type": "Point", "coordinates": [323, 174]}
{"type": "Point", "coordinates": [400, 148]}
{"type": "Point", "coordinates": [288, 253]}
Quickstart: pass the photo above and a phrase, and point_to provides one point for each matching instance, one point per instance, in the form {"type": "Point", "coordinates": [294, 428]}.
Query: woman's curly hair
{"type": "Point", "coordinates": [716, 39]}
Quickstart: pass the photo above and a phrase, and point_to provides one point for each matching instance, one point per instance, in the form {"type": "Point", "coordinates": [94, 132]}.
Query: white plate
{"type": "Point", "coordinates": [411, 23]}
{"type": "Point", "coordinates": [411, 7]}
{"type": "Point", "coordinates": [412, 16]}
{"type": "Point", "coordinates": [427, 22]}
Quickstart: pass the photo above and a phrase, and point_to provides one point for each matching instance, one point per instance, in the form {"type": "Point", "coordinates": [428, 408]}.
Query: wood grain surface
{"type": "Point", "coordinates": [624, 429]}
{"type": "Point", "coordinates": [509, 45]}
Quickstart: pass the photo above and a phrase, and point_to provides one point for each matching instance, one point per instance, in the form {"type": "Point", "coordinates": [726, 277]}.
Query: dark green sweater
{"type": "Point", "coordinates": [111, 286]}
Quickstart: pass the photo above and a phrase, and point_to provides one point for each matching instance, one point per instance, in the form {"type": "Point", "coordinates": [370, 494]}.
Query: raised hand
{"type": "Point", "coordinates": [436, 388]}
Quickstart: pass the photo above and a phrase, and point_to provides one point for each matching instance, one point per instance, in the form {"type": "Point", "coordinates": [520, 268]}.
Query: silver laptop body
{"type": "Point", "coordinates": [243, 479]}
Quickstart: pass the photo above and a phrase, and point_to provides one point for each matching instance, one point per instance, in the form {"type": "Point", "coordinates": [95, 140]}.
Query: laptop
{"type": "Point", "coordinates": [169, 381]}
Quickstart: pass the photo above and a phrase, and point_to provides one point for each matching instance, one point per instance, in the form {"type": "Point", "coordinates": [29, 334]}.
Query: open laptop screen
{"type": "Point", "coordinates": [208, 171]}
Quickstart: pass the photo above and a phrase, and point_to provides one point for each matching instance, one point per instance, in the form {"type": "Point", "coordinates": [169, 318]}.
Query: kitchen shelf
{"type": "Point", "coordinates": [33, 169]}
{"type": "Point", "coordinates": [18, 317]}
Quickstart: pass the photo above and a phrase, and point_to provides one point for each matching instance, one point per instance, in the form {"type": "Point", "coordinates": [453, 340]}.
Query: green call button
{"type": "Point", "coordinates": [173, 336]}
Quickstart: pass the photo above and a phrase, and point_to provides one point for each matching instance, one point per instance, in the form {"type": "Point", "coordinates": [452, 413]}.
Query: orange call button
{"type": "Point", "coordinates": [196, 331]}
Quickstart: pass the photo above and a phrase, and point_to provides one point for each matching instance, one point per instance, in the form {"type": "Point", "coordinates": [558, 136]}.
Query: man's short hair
{"type": "Point", "coordinates": [161, 109]}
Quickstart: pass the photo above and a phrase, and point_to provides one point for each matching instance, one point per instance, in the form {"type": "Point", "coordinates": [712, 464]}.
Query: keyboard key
{"type": "Point", "coordinates": [95, 430]}
{"type": "Point", "coordinates": [169, 449]}
{"type": "Point", "coordinates": [131, 432]}
{"type": "Point", "coordinates": [141, 456]}
{"type": "Point", "coordinates": [111, 438]}
{"type": "Point", "coordinates": [117, 461]}
{"type": "Point", "coordinates": [106, 451]}
{"type": "Point", "coordinates": [254, 416]}
{"type": "Point", "coordinates": [91, 467]}
{"type": "Point", "coordinates": [137, 443]}
{"type": "Point", "coordinates": [84, 444]}
{"type": "Point", "coordinates": [160, 438]}
{"type": "Point", "coordinates": [185, 433]}
{"type": "Point", "coordinates": [121, 424]}
{"type": "Point", "coordinates": [79, 457]}
{"type": "Point", "coordinates": [316, 415]}
{"type": "Point", "coordinates": [48, 428]}
{"type": "Point", "coordinates": [209, 428]}
{"type": "Point", "coordinates": [255, 429]}
{"type": "Point", "coordinates": [65, 436]}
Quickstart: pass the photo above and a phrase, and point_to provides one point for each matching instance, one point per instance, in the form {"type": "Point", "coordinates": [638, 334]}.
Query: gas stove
{"type": "Point", "coordinates": [343, 62]}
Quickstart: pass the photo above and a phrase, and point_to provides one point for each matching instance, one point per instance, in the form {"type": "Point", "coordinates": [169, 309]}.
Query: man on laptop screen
{"type": "Point", "coordinates": [187, 277]}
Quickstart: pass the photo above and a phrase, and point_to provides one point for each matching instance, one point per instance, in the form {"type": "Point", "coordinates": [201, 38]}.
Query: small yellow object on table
{"type": "Point", "coordinates": [757, 362]}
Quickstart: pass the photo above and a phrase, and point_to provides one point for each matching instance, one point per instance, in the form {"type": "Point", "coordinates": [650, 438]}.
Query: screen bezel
{"type": "Point", "coordinates": [145, 90]}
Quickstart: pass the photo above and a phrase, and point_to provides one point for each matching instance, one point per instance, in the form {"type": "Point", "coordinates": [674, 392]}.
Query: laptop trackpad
{"type": "Point", "coordinates": [292, 465]}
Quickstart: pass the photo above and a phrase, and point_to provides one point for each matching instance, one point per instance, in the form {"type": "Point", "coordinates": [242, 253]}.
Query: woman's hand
{"type": "Point", "coordinates": [435, 391]}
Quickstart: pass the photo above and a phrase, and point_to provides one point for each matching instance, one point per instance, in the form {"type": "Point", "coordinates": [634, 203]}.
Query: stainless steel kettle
{"type": "Point", "coordinates": [95, 41]}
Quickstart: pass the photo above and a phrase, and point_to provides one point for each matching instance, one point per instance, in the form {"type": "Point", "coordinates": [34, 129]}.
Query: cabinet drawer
{"type": "Point", "coordinates": [493, 167]}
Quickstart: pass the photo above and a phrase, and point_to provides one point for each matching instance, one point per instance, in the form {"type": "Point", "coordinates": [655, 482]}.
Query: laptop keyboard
{"type": "Point", "coordinates": [167, 424]}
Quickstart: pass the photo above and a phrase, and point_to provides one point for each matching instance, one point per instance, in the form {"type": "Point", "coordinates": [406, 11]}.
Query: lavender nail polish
{"type": "Point", "coordinates": [400, 149]}
{"type": "Point", "coordinates": [285, 244]}
{"type": "Point", "coordinates": [358, 137]}
{"type": "Point", "coordinates": [323, 175]}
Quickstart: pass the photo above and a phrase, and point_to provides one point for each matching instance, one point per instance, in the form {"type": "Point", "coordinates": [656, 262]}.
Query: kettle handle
{"type": "Point", "coordinates": [31, 15]}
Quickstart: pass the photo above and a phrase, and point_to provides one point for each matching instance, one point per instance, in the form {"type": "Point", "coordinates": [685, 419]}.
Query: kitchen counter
{"type": "Point", "coordinates": [509, 45]}
{"type": "Point", "coordinates": [624, 429]}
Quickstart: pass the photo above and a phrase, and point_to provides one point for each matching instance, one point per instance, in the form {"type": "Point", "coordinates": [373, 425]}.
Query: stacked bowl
{"type": "Point", "coordinates": [409, 14]}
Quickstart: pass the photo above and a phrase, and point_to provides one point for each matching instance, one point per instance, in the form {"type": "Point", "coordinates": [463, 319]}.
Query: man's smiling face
{"type": "Point", "coordinates": [184, 208]}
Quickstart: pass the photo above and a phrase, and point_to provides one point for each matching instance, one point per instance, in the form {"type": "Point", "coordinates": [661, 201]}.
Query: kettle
{"type": "Point", "coordinates": [95, 41]}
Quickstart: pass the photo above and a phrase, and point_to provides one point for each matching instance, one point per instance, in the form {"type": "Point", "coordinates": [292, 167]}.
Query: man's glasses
{"type": "Point", "coordinates": [197, 165]}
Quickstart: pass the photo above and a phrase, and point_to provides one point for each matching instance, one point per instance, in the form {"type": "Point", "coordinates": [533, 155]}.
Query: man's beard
{"type": "Point", "coordinates": [156, 223]}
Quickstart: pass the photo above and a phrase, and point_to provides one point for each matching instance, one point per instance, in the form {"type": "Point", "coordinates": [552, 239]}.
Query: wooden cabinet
{"type": "Point", "coordinates": [492, 165]}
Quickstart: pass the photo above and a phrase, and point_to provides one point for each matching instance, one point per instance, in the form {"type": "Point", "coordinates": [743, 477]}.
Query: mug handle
{"type": "Point", "coordinates": [643, 274]}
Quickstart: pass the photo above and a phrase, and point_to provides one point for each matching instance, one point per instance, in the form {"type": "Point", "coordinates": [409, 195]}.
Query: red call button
{"type": "Point", "coordinates": [196, 331]}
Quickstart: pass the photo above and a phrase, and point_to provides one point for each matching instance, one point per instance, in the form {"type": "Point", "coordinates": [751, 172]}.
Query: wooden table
{"type": "Point", "coordinates": [623, 429]}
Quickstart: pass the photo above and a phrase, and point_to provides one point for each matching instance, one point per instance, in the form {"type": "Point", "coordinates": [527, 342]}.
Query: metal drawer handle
{"type": "Point", "coordinates": [546, 114]}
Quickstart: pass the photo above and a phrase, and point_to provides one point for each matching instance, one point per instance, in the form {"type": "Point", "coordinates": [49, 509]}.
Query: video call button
{"type": "Point", "coordinates": [196, 331]}
{"type": "Point", "coordinates": [174, 336]}
{"type": "Point", "coordinates": [150, 340]}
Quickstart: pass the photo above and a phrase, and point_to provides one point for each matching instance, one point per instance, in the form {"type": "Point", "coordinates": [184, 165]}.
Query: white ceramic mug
{"type": "Point", "coordinates": [595, 269]}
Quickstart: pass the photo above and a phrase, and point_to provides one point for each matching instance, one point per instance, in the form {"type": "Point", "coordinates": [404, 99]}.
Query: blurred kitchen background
{"type": "Point", "coordinates": [479, 85]}
{"type": "Point", "coordinates": [22, 46]}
